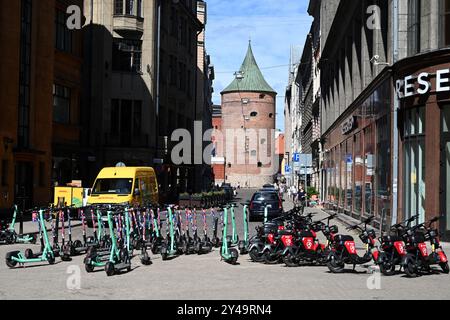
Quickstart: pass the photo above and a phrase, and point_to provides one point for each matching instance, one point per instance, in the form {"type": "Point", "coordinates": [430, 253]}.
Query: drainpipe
{"type": "Point", "coordinates": [395, 36]}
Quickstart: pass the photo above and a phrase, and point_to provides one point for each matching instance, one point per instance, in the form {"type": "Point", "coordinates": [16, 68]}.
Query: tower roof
{"type": "Point", "coordinates": [253, 80]}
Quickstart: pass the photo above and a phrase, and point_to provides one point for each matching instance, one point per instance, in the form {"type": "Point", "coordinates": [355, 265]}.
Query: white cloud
{"type": "Point", "coordinates": [272, 25]}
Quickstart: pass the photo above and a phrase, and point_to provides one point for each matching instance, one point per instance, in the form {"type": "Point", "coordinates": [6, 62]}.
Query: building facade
{"type": "Point", "coordinates": [248, 126]}
{"type": "Point", "coordinates": [40, 96]}
{"type": "Point", "coordinates": [365, 82]}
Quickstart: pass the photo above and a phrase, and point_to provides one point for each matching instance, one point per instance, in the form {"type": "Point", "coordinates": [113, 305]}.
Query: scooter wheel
{"type": "Point", "coordinates": [109, 269]}
{"type": "Point", "coordinates": [255, 256]}
{"type": "Point", "coordinates": [50, 258]}
{"type": "Point", "coordinates": [268, 259]}
{"type": "Point", "coordinates": [9, 262]}
{"type": "Point", "coordinates": [89, 268]}
{"type": "Point", "coordinates": [335, 266]}
{"type": "Point", "coordinates": [444, 266]}
{"type": "Point", "coordinates": [29, 254]}
{"type": "Point", "coordinates": [234, 256]}
{"type": "Point", "coordinates": [411, 268]}
{"type": "Point", "coordinates": [290, 260]}
{"type": "Point", "coordinates": [77, 244]}
{"type": "Point", "coordinates": [387, 269]}
{"type": "Point", "coordinates": [145, 259]}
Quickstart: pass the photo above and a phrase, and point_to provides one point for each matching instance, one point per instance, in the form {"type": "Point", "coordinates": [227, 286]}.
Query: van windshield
{"type": "Point", "coordinates": [113, 186]}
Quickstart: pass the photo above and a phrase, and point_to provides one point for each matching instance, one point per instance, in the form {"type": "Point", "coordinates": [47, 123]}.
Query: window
{"type": "Point", "coordinates": [127, 55]}
{"type": "Point", "coordinates": [349, 170]}
{"type": "Point", "coordinates": [414, 162]}
{"type": "Point", "coordinates": [126, 120]}
{"type": "Point", "coordinates": [189, 84]}
{"type": "Point", "coordinates": [358, 174]}
{"type": "Point", "coordinates": [369, 164]}
{"type": "Point", "coordinates": [129, 7]}
{"type": "Point", "coordinates": [5, 168]}
{"type": "Point", "coordinates": [63, 36]}
{"type": "Point", "coordinates": [270, 115]}
{"type": "Point", "coordinates": [413, 27]}
{"type": "Point", "coordinates": [182, 76]}
{"type": "Point", "coordinates": [173, 70]}
{"type": "Point", "coordinates": [183, 31]}
{"type": "Point", "coordinates": [115, 112]}
{"type": "Point", "coordinates": [383, 166]}
{"type": "Point", "coordinates": [118, 7]}
{"type": "Point", "coordinates": [41, 174]}
{"type": "Point", "coordinates": [137, 118]}
{"type": "Point", "coordinates": [445, 23]}
{"type": "Point", "coordinates": [173, 22]}
{"type": "Point", "coordinates": [139, 8]}
{"type": "Point", "coordinates": [253, 114]}
{"type": "Point", "coordinates": [61, 104]}
{"type": "Point", "coordinates": [23, 133]}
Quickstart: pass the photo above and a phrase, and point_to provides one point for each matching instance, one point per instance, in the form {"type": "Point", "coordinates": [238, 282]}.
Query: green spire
{"type": "Point", "coordinates": [253, 80]}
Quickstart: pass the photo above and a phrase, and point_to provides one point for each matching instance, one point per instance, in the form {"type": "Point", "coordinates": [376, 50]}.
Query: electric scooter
{"type": "Point", "coordinates": [168, 248]}
{"type": "Point", "coordinates": [156, 237]}
{"type": "Point", "coordinates": [119, 258]}
{"type": "Point", "coordinates": [215, 240]}
{"type": "Point", "coordinates": [16, 257]}
{"type": "Point", "coordinates": [343, 248]}
{"type": "Point", "coordinates": [418, 260]}
{"type": "Point", "coordinates": [234, 236]}
{"type": "Point", "coordinates": [228, 254]}
{"type": "Point", "coordinates": [190, 245]}
{"type": "Point", "coordinates": [9, 235]}
{"type": "Point", "coordinates": [205, 244]}
{"type": "Point", "coordinates": [243, 244]}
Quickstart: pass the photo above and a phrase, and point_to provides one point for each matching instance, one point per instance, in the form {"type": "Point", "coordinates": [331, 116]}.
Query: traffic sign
{"type": "Point", "coordinates": [296, 157]}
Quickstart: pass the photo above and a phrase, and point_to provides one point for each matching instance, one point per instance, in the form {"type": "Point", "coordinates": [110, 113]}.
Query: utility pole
{"type": "Point", "coordinates": [395, 54]}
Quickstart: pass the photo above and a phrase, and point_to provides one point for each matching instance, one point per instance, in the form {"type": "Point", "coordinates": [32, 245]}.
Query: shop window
{"type": "Point", "coordinates": [359, 173]}
{"type": "Point", "coordinates": [349, 175]}
{"type": "Point", "coordinates": [369, 166]}
{"type": "Point", "coordinates": [414, 162]}
{"type": "Point", "coordinates": [383, 161]}
{"type": "Point", "coordinates": [343, 175]}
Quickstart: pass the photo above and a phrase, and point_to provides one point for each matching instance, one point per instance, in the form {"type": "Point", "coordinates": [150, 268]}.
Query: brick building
{"type": "Point", "coordinates": [248, 114]}
{"type": "Point", "coordinates": [40, 100]}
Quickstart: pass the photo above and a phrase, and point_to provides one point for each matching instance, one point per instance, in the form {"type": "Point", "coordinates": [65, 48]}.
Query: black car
{"type": "Point", "coordinates": [229, 192]}
{"type": "Point", "coordinates": [259, 199]}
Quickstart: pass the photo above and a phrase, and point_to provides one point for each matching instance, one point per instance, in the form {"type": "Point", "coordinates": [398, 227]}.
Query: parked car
{"type": "Point", "coordinates": [229, 194]}
{"type": "Point", "coordinates": [259, 199]}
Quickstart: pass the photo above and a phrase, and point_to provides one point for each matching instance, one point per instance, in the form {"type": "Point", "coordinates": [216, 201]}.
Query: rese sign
{"type": "Point", "coordinates": [407, 87]}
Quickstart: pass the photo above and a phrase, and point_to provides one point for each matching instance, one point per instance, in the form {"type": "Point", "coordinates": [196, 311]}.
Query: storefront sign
{"type": "Point", "coordinates": [349, 125]}
{"type": "Point", "coordinates": [420, 85]}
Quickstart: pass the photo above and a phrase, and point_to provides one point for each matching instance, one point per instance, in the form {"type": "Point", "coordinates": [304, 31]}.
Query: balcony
{"type": "Point", "coordinates": [128, 24]}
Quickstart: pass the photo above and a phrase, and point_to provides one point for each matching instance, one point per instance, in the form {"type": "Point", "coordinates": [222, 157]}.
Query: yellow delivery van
{"type": "Point", "coordinates": [125, 185]}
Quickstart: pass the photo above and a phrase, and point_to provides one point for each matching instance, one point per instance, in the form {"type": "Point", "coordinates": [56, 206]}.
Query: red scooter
{"type": "Point", "coordinates": [417, 259]}
{"type": "Point", "coordinates": [343, 248]}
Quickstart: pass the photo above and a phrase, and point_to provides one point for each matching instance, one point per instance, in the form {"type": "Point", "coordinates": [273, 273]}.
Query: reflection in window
{"type": "Point", "coordinates": [369, 164]}
{"type": "Point", "coordinates": [383, 162]}
{"type": "Point", "coordinates": [349, 170]}
{"type": "Point", "coordinates": [359, 169]}
{"type": "Point", "coordinates": [414, 163]}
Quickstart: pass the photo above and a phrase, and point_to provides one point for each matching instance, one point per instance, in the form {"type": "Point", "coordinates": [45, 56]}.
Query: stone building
{"type": "Point", "coordinates": [382, 83]}
{"type": "Point", "coordinates": [248, 126]}
{"type": "Point", "coordinates": [141, 78]}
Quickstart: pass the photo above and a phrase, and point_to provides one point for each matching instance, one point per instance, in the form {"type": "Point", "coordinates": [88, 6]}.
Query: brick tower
{"type": "Point", "coordinates": [248, 127]}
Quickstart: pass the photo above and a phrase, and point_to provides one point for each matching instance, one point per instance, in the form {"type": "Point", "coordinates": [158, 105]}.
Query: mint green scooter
{"type": "Point", "coordinates": [228, 254]}
{"type": "Point", "coordinates": [119, 258]}
{"type": "Point", "coordinates": [243, 244]}
{"type": "Point", "coordinates": [234, 238]}
{"type": "Point", "coordinates": [168, 248]}
{"type": "Point", "coordinates": [16, 257]}
{"type": "Point", "coordinates": [10, 236]}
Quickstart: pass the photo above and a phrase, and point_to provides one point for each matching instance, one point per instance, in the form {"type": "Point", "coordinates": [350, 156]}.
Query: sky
{"type": "Point", "coordinates": [273, 27]}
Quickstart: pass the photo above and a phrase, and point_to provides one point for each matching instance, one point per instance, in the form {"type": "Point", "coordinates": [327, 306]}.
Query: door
{"type": "Point", "coordinates": [23, 187]}
{"type": "Point", "coordinates": [445, 173]}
